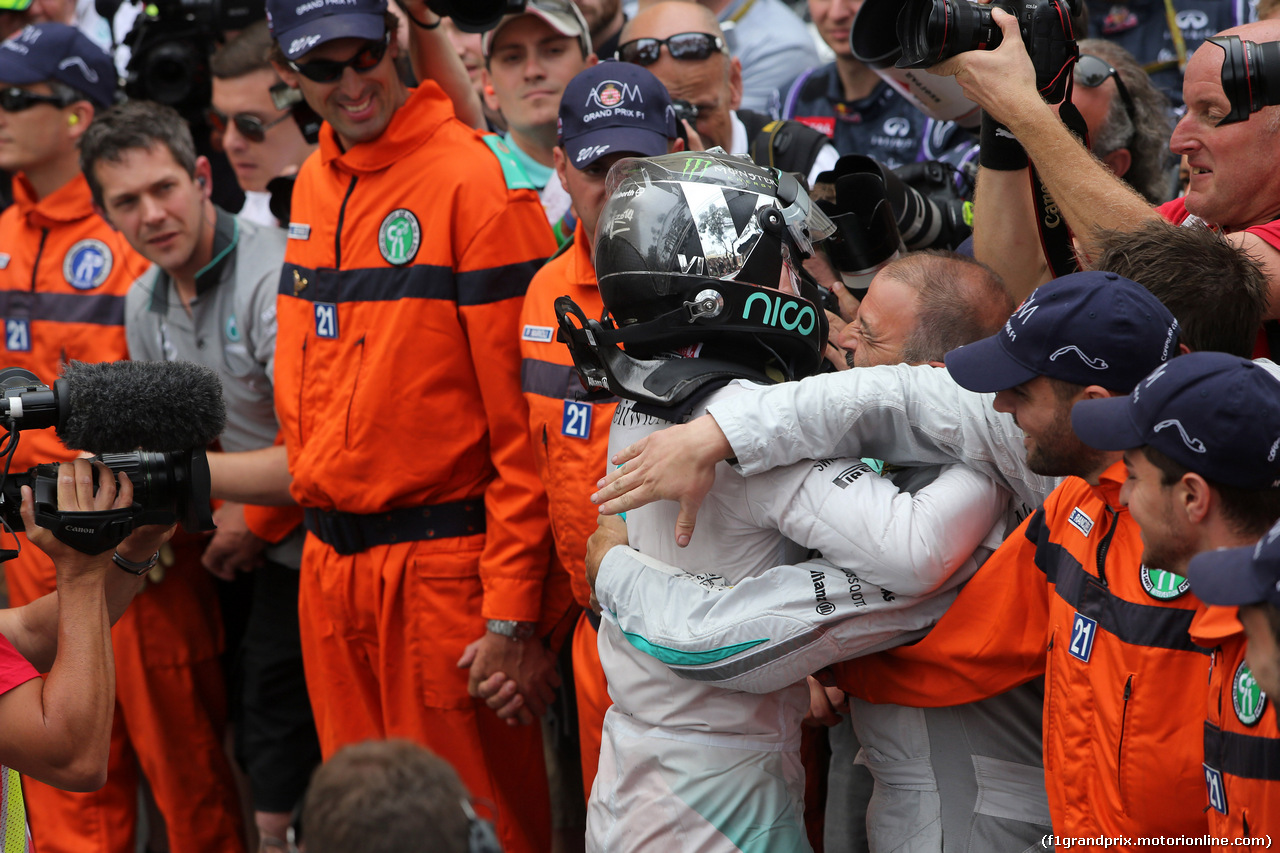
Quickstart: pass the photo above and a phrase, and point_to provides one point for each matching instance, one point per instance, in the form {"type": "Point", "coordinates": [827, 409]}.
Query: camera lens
{"type": "Point", "coordinates": [1250, 76]}
{"type": "Point", "coordinates": [935, 30]}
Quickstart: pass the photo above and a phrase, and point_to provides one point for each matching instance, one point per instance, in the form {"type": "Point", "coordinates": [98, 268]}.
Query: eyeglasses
{"type": "Point", "coordinates": [248, 125]}
{"type": "Point", "coordinates": [15, 100]}
{"type": "Point", "coordinates": [1093, 71]}
{"type": "Point", "coordinates": [330, 70]}
{"type": "Point", "coordinates": [684, 46]}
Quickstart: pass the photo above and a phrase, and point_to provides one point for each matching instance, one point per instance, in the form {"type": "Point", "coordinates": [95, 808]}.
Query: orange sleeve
{"type": "Point", "coordinates": [991, 639]}
{"type": "Point", "coordinates": [494, 273]}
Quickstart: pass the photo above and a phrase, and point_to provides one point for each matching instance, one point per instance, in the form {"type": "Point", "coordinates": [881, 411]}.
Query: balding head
{"type": "Point", "coordinates": [713, 85]}
{"type": "Point", "coordinates": [1235, 168]}
{"type": "Point", "coordinates": [958, 301]}
{"type": "Point", "coordinates": [923, 305]}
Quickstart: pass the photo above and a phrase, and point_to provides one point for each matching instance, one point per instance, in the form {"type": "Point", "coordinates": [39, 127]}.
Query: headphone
{"type": "Point", "coordinates": [201, 181]}
{"type": "Point", "coordinates": [73, 119]}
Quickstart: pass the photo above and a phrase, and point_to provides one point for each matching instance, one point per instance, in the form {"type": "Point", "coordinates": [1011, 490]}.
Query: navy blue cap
{"type": "Point", "coordinates": [1231, 577]}
{"type": "Point", "coordinates": [612, 107]}
{"type": "Point", "coordinates": [1215, 414]}
{"type": "Point", "coordinates": [40, 53]}
{"type": "Point", "coordinates": [1087, 328]}
{"type": "Point", "coordinates": [301, 25]}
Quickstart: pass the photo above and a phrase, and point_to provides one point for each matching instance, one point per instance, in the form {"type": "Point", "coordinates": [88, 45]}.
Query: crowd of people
{"type": "Point", "coordinates": [985, 548]}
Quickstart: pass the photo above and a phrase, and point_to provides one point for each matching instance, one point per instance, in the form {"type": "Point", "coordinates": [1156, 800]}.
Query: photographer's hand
{"type": "Point", "coordinates": [1001, 81]}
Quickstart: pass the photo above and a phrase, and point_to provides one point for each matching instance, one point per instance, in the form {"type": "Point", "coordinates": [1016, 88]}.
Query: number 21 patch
{"type": "Point", "coordinates": [577, 419]}
{"type": "Point", "coordinates": [1083, 630]}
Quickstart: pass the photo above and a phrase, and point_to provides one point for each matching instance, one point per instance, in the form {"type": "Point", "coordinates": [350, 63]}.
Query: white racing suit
{"type": "Point", "coordinates": [686, 765]}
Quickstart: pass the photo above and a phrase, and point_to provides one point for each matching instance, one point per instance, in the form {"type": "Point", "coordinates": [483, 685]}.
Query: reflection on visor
{"type": "Point", "coordinates": [725, 249]}
{"type": "Point", "coordinates": [702, 176]}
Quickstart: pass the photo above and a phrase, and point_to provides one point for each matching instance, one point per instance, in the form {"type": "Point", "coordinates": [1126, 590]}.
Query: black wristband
{"type": "Point", "coordinates": [1000, 151]}
{"type": "Point", "coordinates": [135, 568]}
{"type": "Point", "coordinates": [419, 24]}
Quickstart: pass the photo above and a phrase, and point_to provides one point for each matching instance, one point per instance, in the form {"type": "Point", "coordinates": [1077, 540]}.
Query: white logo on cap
{"type": "Point", "coordinates": [76, 61]}
{"type": "Point", "coordinates": [1275, 446]}
{"type": "Point", "coordinates": [1095, 363]}
{"type": "Point", "coordinates": [591, 151]}
{"type": "Point", "coordinates": [1022, 315]}
{"type": "Point", "coordinates": [1195, 444]}
{"type": "Point", "coordinates": [303, 44]}
{"type": "Point", "coordinates": [610, 93]}
{"type": "Point", "coordinates": [1192, 19]}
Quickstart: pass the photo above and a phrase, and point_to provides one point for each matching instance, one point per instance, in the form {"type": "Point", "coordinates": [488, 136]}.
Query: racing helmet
{"type": "Point", "coordinates": [702, 247]}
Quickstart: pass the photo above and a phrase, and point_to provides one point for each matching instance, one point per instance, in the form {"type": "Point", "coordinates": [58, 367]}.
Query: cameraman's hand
{"type": "Point", "coordinates": [234, 547]}
{"type": "Point", "coordinates": [1001, 81]}
{"type": "Point", "coordinates": [76, 493]}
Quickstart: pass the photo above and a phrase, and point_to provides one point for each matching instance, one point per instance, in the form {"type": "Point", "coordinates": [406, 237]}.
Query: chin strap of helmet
{"type": "Point", "coordinates": [603, 365]}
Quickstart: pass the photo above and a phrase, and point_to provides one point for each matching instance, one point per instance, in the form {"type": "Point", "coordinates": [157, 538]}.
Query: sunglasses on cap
{"type": "Point", "coordinates": [247, 125]}
{"type": "Point", "coordinates": [330, 70]}
{"type": "Point", "coordinates": [15, 100]}
{"type": "Point", "coordinates": [1093, 71]}
{"type": "Point", "coordinates": [684, 46]}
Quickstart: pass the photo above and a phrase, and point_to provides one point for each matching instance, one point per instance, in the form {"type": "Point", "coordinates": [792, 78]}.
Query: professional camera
{"type": "Point", "coordinates": [174, 408]}
{"type": "Point", "coordinates": [476, 16]}
{"type": "Point", "coordinates": [167, 488]}
{"type": "Point", "coordinates": [937, 218]}
{"type": "Point", "coordinates": [170, 46]}
{"type": "Point", "coordinates": [1250, 76]}
{"type": "Point", "coordinates": [929, 31]}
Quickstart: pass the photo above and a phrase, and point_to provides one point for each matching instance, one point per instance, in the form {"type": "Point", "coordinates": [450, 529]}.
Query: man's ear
{"type": "Point", "coordinates": [1194, 497]}
{"type": "Point", "coordinates": [560, 161]}
{"type": "Point", "coordinates": [489, 94]}
{"type": "Point", "coordinates": [735, 83]}
{"type": "Point", "coordinates": [204, 176]}
{"type": "Point", "coordinates": [286, 74]}
{"type": "Point", "coordinates": [591, 60]}
{"type": "Point", "coordinates": [1119, 161]}
{"type": "Point", "coordinates": [1097, 392]}
{"type": "Point", "coordinates": [676, 145]}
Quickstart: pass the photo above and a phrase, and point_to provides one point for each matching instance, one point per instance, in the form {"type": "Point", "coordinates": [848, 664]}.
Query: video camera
{"type": "Point", "coordinates": [1250, 76]}
{"type": "Point", "coordinates": [169, 486]}
{"type": "Point", "coordinates": [170, 45]}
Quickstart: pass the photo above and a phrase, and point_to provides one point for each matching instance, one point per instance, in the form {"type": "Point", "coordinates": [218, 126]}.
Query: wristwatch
{"type": "Point", "coordinates": [511, 629]}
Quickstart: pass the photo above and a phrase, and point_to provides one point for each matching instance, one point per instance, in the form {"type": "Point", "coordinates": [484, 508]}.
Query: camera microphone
{"type": "Point", "coordinates": [117, 407]}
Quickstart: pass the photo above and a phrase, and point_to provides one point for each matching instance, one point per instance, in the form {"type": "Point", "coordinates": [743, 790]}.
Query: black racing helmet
{"type": "Point", "coordinates": [702, 247]}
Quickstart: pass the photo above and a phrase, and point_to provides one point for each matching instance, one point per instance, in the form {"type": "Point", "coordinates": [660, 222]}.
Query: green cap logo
{"type": "Point", "coordinates": [399, 237]}
{"type": "Point", "coordinates": [1163, 585]}
{"type": "Point", "coordinates": [1246, 696]}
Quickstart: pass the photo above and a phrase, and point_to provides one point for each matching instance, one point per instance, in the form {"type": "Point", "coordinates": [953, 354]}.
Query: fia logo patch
{"type": "Point", "coordinates": [299, 231]}
{"type": "Point", "coordinates": [87, 264]}
{"type": "Point", "coordinates": [1247, 697]}
{"type": "Point", "coordinates": [399, 237]}
{"type": "Point", "coordinates": [1083, 630]}
{"type": "Point", "coordinates": [1162, 585]}
{"type": "Point", "coordinates": [1080, 521]}
{"type": "Point", "coordinates": [538, 334]}
{"type": "Point", "coordinates": [577, 419]}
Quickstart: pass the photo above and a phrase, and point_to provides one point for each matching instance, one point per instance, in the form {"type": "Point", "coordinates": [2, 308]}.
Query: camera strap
{"type": "Point", "coordinates": [87, 532]}
{"type": "Point", "coordinates": [1055, 236]}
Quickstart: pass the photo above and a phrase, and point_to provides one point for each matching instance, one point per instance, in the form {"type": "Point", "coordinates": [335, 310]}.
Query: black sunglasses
{"type": "Point", "coordinates": [687, 46]}
{"type": "Point", "coordinates": [248, 125]}
{"type": "Point", "coordinates": [1092, 71]}
{"type": "Point", "coordinates": [15, 100]}
{"type": "Point", "coordinates": [330, 70]}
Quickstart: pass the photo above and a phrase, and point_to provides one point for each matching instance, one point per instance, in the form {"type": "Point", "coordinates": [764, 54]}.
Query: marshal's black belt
{"type": "Point", "coordinates": [350, 533]}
